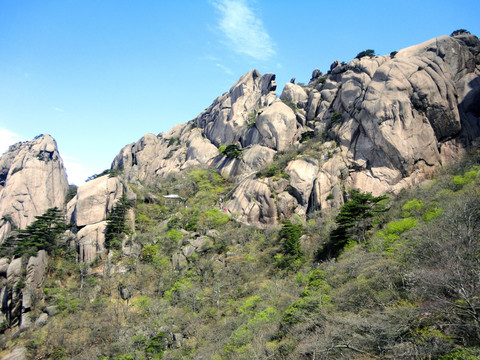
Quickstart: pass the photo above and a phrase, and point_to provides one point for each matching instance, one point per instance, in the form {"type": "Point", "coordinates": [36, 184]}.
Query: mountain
{"type": "Point", "coordinates": [379, 123]}
{"type": "Point", "coordinates": [169, 226]}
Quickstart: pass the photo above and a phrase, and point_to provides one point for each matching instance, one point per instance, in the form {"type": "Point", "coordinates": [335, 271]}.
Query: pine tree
{"type": "Point", "coordinates": [292, 254]}
{"type": "Point", "coordinates": [116, 224]}
{"type": "Point", "coordinates": [42, 234]}
{"type": "Point", "coordinates": [353, 221]}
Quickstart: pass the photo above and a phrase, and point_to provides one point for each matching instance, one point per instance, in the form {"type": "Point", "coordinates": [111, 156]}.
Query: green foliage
{"type": "Point", "coordinates": [353, 221]}
{"type": "Point", "coordinates": [109, 172]}
{"type": "Point", "coordinates": [249, 305]}
{"type": "Point", "coordinates": [148, 253]}
{"type": "Point", "coordinates": [336, 117]}
{"type": "Point", "coordinates": [412, 208]}
{"type": "Point", "coordinates": [221, 149]}
{"type": "Point", "coordinates": [290, 105]}
{"type": "Point", "coordinates": [43, 234]}
{"type": "Point", "coordinates": [291, 255]}
{"type": "Point", "coordinates": [173, 141]}
{"type": "Point", "coordinates": [393, 53]}
{"type": "Point", "coordinates": [462, 354]}
{"type": "Point", "coordinates": [460, 32]}
{"type": "Point", "coordinates": [233, 151]}
{"type": "Point", "coordinates": [156, 345]}
{"type": "Point", "coordinates": [72, 192]}
{"type": "Point", "coordinates": [215, 218]}
{"type": "Point", "coordinates": [116, 224]}
{"type": "Point", "coordinates": [399, 226]}
{"type": "Point", "coordinates": [460, 181]}
{"type": "Point", "coordinates": [368, 52]}
{"type": "Point", "coordinates": [307, 135]}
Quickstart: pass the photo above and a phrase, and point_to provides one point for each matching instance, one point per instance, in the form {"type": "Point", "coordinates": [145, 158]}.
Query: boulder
{"type": "Point", "coordinates": [302, 174]}
{"type": "Point", "coordinates": [4, 262]}
{"type": "Point", "coordinates": [17, 354]}
{"type": "Point", "coordinates": [278, 126]}
{"type": "Point", "coordinates": [295, 94]}
{"type": "Point", "coordinates": [32, 180]}
{"type": "Point", "coordinates": [94, 200]}
{"type": "Point", "coordinates": [253, 200]}
{"type": "Point", "coordinates": [41, 320]}
{"type": "Point", "coordinates": [91, 240]}
{"type": "Point", "coordinates": [286, 205]}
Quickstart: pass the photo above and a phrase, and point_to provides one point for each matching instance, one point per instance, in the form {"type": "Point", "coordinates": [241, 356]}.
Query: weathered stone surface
{"type": "Point", "coordinates": [188, 250]}
{"type": "Point", "coordinates": [32, 180]}
{"type": "Point", "coordinates": [202, 244]}
{"type": "Point", "coordinates": [36, 268]}
{"type": "Point", "coordinates": [17, 354]}
{"type": "Point", "coordinates": [4, 262]}
{"type": "Point", "coordinates": [94, 200]}
{"type": "Point", "coordinates": [200, 149]}
{"type": "Point", "coordinates": [51, 310]}
{"type": "Point", "coordinates": [179, 261]}
{"type": "Point", "coordinates": [286, 204]}
{"type": "Point", "coordinates": [41, 320]}
{"type": "Point", "coordinates": [252, 200]}
{"type": "Point", "coordinates": [91, 240]}
{"type": "Point", "coordinates": [253, 159]}
{"type": "Point", "coordinates": [224, 122]}
{"type": "Point", "coordinates": [398, 112]}
{"type": "Point", "coordinates": [294, 94]}
{"type": "Point", "coordinates": [14, 271]}
{"type": "Point", "coordinates": [302, 175]}
{"type": "Point", "coordinates": [278, 126]}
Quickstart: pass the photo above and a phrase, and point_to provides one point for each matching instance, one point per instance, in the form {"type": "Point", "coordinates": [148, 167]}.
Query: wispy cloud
{"type": "Point", "coordinates": [225, 69]}
{"type": "Point", "coordinates": [243, 30]}
{"type": "Point", "coordinates": [7, 138]}
{"type": "Point", "coordinates": [59, 109]}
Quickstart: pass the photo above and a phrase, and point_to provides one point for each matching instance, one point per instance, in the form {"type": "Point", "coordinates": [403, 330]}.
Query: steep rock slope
{"type": "Point", "coordinates": [32, 180]}
{"type": "Point", "coordinates": [377, 123]}
{"type": "Point", "coordinates": [236, 117]}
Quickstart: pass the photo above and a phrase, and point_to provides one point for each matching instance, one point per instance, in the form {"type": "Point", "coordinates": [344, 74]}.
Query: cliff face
{"type": "Point", "coordinates": [378, 123]}
{"type": "Point", "coordinates": [32, 180]}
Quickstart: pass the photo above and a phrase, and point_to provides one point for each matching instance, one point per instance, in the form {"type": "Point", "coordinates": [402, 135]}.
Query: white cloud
{"type": "Point", "coordinates": [225, 69]}
{"type": "Point", "coordinates": [59, 109]}
{"type": "Point", "coordinates": [244, 32]}
{"type": "Point", "coordinates": [76, 171]}
{"type": "Point", "coordinates": [8, 138]}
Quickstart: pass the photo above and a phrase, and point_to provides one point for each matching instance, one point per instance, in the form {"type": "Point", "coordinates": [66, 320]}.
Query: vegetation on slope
{"type": "Point", "coordinates": [405, 287]}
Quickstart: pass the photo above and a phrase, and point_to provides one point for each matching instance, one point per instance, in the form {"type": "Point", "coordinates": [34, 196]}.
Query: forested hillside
{"type": "Point", "coordinates": [400, 279]}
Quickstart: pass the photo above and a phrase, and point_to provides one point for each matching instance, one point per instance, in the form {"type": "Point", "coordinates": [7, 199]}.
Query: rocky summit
{"type": "Point", "coordinates": [373, 126]}
{"type": "Point", "coordinates": [380, 124]}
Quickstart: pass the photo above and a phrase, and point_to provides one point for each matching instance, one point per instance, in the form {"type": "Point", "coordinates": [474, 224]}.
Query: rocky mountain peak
{"type": "Point", "coordinates": [32, 180]}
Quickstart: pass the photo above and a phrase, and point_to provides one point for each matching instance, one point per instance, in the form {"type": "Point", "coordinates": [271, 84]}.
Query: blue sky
{"type": "Point", "coordinates": [98, 75]}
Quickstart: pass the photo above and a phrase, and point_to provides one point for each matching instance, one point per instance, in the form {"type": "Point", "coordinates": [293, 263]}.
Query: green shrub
{"type": "Point", "coordinates": [368, 52]}
{"type": "Point", "coordinates": [393, 53]}
{"type": "Point", "coordinates": [232, 151]}
{"type": "Point", "coordinates": [336, 117]}
{"type": "Point", "coordinates": [460, 32]}
{"type": "Point", "coordinates": [412, 207]}
{"type": "Point", "coordinates": [307, 135]}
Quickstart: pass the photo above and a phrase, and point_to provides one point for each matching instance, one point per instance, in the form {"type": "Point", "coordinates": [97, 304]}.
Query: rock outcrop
{"type": "Point", "coordinates": [247, 115]}
{"type": "Point", "coordinates": [32, 180]}
{"type": "Point", "coordinates": [377, 123]}
{"type": "Point", "coordinates": [89, 210]}
{"type": "Point", "coordinates": [394, 120]}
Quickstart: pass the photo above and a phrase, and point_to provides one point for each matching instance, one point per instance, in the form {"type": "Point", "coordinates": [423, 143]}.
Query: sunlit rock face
{"type": "Point", "coordinates": [381, 123]}
{"type": "Point", "coordinates": [32, 180]}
